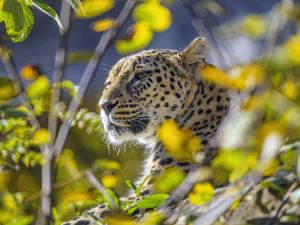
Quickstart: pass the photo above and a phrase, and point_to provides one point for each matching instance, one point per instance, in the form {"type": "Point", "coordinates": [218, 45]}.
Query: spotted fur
{"type": "Point", "coordinates": [145, 89]}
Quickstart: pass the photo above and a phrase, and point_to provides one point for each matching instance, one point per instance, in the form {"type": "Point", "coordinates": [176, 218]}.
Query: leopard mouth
{"type": "Point", "coordinates": [113, 122]}
{"type": "Point", "coordinates": [134, 126]}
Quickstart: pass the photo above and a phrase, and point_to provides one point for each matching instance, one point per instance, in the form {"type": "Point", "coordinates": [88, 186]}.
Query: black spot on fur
{"type": "Point", "coordinates": [183, 163]}
{"type": "Point", "coordinates": [166, 161]}
{"type": "Point", "coordinates": [208, 111]}
{"type": "Point", "coordinates": [220, 108]}
{"type": "Point", "coordinates": [145, 192]}
{"type": "Point", "coordinates": [82, 222]}
{"type": "Point", "coordinates": [177, 95]}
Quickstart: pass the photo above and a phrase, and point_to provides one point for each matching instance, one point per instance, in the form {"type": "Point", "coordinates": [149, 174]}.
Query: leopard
{"type": "Point", "coordinates": [145, 89]}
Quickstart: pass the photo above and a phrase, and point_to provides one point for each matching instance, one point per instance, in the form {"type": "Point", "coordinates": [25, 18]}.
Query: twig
{"type": "Point", "coordinates": [12, 72]}
{"type": "Point", "coordinates": [283, 202]}
{"type": "Point", "coordinates": [217, 56]}
{"type": "Point", "coordinates": [221, 204]}
{"type": "Point", "coordinates": [60, 62]}
{"type": "Point", "coordinates": [48, 168]}
{"type": "Point", "coordinates": [99, 187]}
{"type": "Point", "coordinates": [287, 147]}
{"type": "Point", "coordinates": [90, 70]}
{"type": "Point", "coordinates": [195, 175]}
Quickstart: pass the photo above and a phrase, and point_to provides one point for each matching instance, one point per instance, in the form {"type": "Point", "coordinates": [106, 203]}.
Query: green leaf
{"type": "Point", "coordinates": [23, 220]}
{"type": "Point", "coordinates": [152, 201]}
{"type": "Point", "coordinates": [47, 9]}
{"type": "Point", "coordinates": [169, 180]}
{"type": "Point", "coordinates": [113, 197]}
{"type": "Point", "coordinates": [15, 113]}
{"type": "Point", "coordinates": [39, 87]}
{"type": "Point", "coordinates": [18, 19]}
{"type": "Point", "coordinates": [92, 8]}
{"type": "Point", "coordinates": [141, 185]}
{"type": "Point", "coordinates": [130, 185]}
{"type": "Point", "coordinates": [132, 210]}
{"type": "Point", "coordinates": [289, 158]}
{"type": "Point", "coordinates": [67, 85]}
{"type": "Point", "coordinates": [7, 89]}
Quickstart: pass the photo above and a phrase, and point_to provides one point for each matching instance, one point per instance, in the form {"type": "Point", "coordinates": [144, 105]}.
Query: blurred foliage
{"type": "Point", "coordinates": [251, 141]}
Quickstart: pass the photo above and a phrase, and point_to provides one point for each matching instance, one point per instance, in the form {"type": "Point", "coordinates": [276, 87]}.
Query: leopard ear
{"type": "Point", "coordinates": [195, 51]}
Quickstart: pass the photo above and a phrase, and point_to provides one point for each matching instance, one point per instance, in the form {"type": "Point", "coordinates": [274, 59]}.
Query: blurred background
{"type": "Point", "coordinates": [238, 32]}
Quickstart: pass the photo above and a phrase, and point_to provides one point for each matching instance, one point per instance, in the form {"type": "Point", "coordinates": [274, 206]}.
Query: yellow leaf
{"type": "Point", "coordinates": [235, 204]}
{"type": "Point", "coordinates": [292, 49]}
{"type": "Point", "coordinates": [141, 37]}
{"type": "Point", "coordinates": [202, 193]}
{"type": "Point", "coordinates": [152, 218]}
{"type": "Point", "coordinates": [270, 127]}
{"type": "Point", "coordinates": [106, 164]}
{"type": "Point", "coordinates": [29, 72]}
{"type": "Point", "coordinates": [158, 16]}
{"type": "Point", "coordinates": [232, 164]}
{"type": "Point", "coordinates": [39, 87]}
{"type": "Point", "coordinates": [9, 207]}
{"type": "Point", "coordinates": [103, 25]}
{"type": "Point", "coordinates": [118, 219]}
{"type": "Point", "coordinates": [255, 25]}
{"type": "Point", "coordinates": [92, 8]}
{"type": "Point", "coordinates": [110, 179]}
{"type": "Point", "coordinates": [290, 89]}
{"type": "Point", "coordinates": [9, 202]}
{"type": "Point", "coordinates": [245, 77]}
{"type": "Point", "coordinates": [182, 144]}
{"type": "Point", "coordinates": [42, 136]}
{"type": "Point", "coordinates": [268, 167]}
{"type": "Point", "coordinates": [76, 197]}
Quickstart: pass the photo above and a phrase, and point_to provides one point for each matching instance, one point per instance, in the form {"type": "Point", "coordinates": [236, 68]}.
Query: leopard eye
{"type": "Point", "coordinates": [139, 77]}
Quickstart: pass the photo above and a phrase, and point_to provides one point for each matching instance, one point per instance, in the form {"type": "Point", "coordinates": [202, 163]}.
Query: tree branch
{"type": "Point", "coordinates": [48, 168]}
{"type": "Point", "coordinates": [13, 74]}
{"type": "Point", "coordinates": [60, 63]}
{"type": "Point", "coordinates": [99, 187]}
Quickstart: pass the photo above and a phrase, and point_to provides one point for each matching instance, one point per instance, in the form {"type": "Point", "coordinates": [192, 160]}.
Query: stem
{"type": "Point", "coordinates": [91, 177]}
{"type": "Point", "coordinates": [215, 53]}
{"type": "Point", "coordinates": [48, 169]}
{"type": "Point", "coordinates": [13, 74]}
{"type": "Point", "coordinates": [90, 70]}
{"type": "Point", "coordinates": [60, 63]}
{"type": "Point", "coordinates": [284, 200]}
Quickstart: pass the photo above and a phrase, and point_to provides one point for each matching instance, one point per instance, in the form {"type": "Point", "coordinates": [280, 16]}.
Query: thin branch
{"type": "Point", "coordinates": [47, 167]}
{"type": "Point", "coordinates": [217, 56]}
{"type": "Point", "coordinates": [285, 199]}
{"type": "Point", "coordinates": [222, 203]}
{"type": "Point", "coordinates": [90, 70]}
{"type": "Point", "coordinates": [99, 187]}
{"type": "Point", "coordinates": [60, 63]}
{"type": "Point", "coordinates": [195, 175]}
{"type": "Point", "coordinates": [13, 74]}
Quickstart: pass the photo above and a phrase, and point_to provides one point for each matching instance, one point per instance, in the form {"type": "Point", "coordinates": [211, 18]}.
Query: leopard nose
{"type": "Point", "coordinates": [108, 106]}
